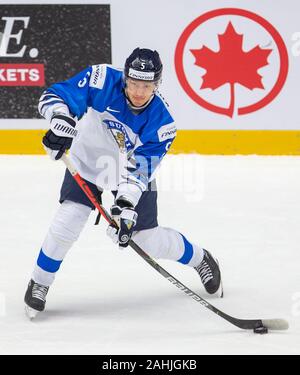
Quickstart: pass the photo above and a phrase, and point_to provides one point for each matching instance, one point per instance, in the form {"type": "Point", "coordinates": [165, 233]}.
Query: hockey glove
{"type": "Point", "coordinates": [125, 216]}
{"type": "Point", "coordinates": [59, 137]}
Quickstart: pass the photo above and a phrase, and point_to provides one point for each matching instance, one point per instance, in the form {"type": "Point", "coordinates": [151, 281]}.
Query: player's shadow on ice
{"type": "Point", "coordinates": [151, 305]}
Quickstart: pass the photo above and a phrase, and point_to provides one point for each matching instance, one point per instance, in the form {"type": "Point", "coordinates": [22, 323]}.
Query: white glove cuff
{"type": "Point", "coordinates": [130, 192]}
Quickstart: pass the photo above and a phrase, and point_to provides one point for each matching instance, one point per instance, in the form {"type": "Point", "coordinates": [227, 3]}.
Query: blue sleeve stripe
{"type": "Point", "coordinates": [188, 251]}
{"type": "Point", "coordinates": [49, 96]}
{"type": "Point", "coordinates": [48, 264]}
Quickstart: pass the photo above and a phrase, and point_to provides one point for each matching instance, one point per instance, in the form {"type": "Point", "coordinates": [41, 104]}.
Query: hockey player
{"type": "Point", "coordinates": [118, 115]}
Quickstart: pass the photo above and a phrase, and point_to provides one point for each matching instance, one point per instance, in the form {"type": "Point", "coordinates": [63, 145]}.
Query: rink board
{"type": "Point", "coordinates": [224, 117]}
{"type": "Point", "coordinates": [207, 142]}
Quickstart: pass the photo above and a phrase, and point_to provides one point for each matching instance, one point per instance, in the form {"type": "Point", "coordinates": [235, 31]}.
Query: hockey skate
{"type": "Point", "coordinates": [210, 275]}
{"type": "Point", "coordinates": [35, 299]}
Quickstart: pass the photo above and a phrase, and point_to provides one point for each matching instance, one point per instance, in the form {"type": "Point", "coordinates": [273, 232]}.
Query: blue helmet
{"type": "Point", "coordinates": [144, 64]}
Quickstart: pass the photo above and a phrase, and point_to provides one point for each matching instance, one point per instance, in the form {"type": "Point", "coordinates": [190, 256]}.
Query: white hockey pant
{"type": "Point", "coordinates": [68, 223]}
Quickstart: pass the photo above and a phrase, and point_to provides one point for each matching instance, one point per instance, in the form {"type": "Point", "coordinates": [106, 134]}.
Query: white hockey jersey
{"type": "Point", "coordinates": [115, 148]}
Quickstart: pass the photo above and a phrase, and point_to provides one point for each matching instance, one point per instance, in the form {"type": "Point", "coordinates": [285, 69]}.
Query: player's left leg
{"type": "Point", "coordinates": [167, 243]}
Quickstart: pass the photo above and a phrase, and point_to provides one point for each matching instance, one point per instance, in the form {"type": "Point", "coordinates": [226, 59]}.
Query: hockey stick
{"type": "Point", "coordinates": [257, 325]}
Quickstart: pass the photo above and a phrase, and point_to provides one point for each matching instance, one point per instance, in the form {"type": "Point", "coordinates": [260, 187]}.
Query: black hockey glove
{"type": "Point", "coordinates": [59, 137]}
{"type": "Point", "coordinates": [125, 216]}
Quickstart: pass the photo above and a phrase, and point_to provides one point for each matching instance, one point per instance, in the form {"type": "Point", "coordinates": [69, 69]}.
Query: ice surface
{"type": "Point", "coordinates": [105, 301]}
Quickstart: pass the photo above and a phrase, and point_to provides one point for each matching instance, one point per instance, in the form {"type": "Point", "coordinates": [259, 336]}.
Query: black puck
{"type": "Point", "coordinates": [260, 330]}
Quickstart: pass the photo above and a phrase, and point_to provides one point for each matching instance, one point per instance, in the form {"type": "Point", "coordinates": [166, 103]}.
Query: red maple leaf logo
{"type": "Point", "coordinates": [231, 64]}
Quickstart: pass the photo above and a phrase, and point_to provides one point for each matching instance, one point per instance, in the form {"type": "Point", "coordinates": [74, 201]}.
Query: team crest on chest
{"type": "Point", "coordinates": [120, 135]}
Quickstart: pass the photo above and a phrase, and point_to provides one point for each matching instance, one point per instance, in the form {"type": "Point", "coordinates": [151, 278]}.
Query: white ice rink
{"type": "Point", "coordinates": [246, 210]}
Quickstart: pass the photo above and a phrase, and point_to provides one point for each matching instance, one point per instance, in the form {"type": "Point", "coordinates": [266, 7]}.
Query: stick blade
{"type": "Point", "coordinates": [276, 324]}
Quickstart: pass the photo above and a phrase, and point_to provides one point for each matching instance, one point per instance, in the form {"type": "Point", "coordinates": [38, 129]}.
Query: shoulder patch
{"type": "Point", "coordinates": [98, 76]}
{"type": "Point", "coordinates": [166, 132]}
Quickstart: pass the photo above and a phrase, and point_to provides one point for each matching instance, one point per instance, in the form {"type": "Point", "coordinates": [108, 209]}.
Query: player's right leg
{"type": "Point", "coordinates": [64, 230]}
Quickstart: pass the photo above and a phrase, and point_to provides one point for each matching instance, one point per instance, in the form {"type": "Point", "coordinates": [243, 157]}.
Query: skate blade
{"type": "Point", "coordinates": [220, 291]}
{"type": "Point", "coordinates": [30, 312]}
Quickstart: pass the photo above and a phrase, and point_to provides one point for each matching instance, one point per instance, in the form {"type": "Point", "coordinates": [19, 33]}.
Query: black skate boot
{"type": "Point", "coordinates": [210, 274]}
{"type": "Point", "coordinates": [35, 298]}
